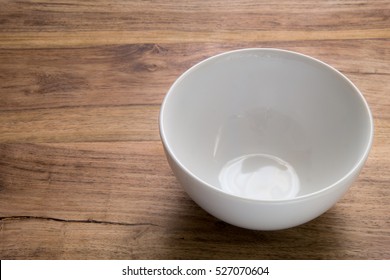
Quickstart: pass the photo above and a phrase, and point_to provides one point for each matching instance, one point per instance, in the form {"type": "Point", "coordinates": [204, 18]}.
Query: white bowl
{"type": "Point", "coordinates": [265, 139]}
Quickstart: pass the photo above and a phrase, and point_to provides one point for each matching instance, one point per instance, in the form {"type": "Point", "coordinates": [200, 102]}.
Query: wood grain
{"type": "Point", "coordinates": [82, 171]}
{"type": "Point", "coordinates": [77, 199]}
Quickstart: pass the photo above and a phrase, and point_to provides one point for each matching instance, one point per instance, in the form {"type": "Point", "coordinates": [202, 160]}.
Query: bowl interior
{"type": "Point", "coordinates": [265, 124]}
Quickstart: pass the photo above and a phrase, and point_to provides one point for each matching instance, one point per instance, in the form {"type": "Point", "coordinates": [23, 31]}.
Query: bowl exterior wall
{"type": "Point", "coordinates": [259, 215]}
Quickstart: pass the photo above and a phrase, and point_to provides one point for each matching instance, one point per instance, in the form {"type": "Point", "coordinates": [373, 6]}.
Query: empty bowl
{"type": "Point", "coordinates": [265, 139]}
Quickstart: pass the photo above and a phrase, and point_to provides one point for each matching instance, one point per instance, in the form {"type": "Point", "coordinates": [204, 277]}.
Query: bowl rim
{"type": "Point", "coordinates": [359, 163]}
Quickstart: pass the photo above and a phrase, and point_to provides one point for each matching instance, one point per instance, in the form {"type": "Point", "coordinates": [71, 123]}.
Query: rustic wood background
{"type": "Point", "coordinates": [82, 170]}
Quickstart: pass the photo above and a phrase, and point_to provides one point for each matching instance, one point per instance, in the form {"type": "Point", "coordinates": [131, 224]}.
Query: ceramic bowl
{"type": "Point", "coordinates": [265, 139]}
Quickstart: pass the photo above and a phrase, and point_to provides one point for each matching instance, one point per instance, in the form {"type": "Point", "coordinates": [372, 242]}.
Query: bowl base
{"type": "Point", "coordinates": [259, 176]}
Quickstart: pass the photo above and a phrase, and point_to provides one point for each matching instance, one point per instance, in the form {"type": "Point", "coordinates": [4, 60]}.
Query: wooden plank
{"type": "Point", "coordinates": [80, 124]}
{"type": "Point", "coordinates": [320, 239]}
{"type": "Point", "coordinates": [100, 181]}
{"type": "Point", "coordinates": [126, 198]}
{"type": "Point", "coordinates": [90, 38]}
{"type": "Point", "coordinates": [70, 24]}
{"type": "Point", "coordinates": [142, 73]}
{"type": "Point", "coordinates": [193, 16]}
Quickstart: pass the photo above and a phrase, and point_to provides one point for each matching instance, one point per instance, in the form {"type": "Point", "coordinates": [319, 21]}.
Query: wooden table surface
{"type": "Point", "coordinates": [82, 169]}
